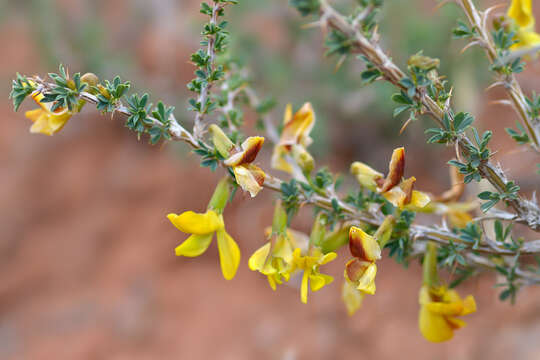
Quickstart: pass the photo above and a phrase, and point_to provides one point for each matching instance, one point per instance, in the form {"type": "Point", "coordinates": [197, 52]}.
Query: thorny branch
{"type": "Point", "coordinates": [479, 257]}
{"type": "Point", "coordinates": [528, 212]}
{"type": "Point", "coordinates": [478, 20]}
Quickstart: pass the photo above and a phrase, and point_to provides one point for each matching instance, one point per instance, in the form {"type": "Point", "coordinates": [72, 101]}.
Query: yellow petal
{"type": "Point", "coordinates": [366, 283]}
{"type": "Point", "coordinates": [193, 223]}
{"type": "Point", "coordinates": [448, 309]}
{"type": "Point", "coordinates": [456, 323]}
{"type": "Point", "coordinates": [250, 178]}
{"type": "Point", "coordinates": [34, 115]}
{"type": "Point", "coordinates": [434, 327]}
{"type": "Point", "coordinates": [257, 261]}
{"type": "Point", "coordinates": [229, 254]}
{"type": "Point", "coordinates": [327, 258]}
{"type": "Point", "coordinates": [521, 12]}
{"type": "Point", "coordinates": [352, 297]}
{"type": "Point", "coordinates": [278, 161]}
{"type": "Point", "coordinates": [288, 114]}
{"type": "Point", "coordinates": [194, 245]}
{"type": "Point", "coordinates": [297, 129]}
{"type": "Point", "coordinates": [362, 245]}
{"type": "Point", "coordinates": [272, 282]}
{"type": "Point", "coordinates": [317, 282]}
{"type": "Point", "coordinates": [304, 286]}
{"type": "Point", "coordinates": [469, 305]}
{"type": "Point", "coordinates": [418, 200]}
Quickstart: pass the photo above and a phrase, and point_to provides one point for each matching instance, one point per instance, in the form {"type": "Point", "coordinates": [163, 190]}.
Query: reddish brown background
{"type": "Point", "coordinates": [87, 267]}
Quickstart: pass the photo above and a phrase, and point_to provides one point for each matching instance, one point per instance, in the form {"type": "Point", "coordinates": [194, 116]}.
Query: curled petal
{"type": "Point", "coordinates": [395, 170]}
{"type": "Point", "coordinates": [193, 223]}
{"type": "Point", "coordinates": [250, 178]}
{"type": "Point", "coordinates": [362, 245]}
{"type": "Point", "coordinates": [229, 254]}
{"type": "Point", "coordinates": [194, 245]}
{"type": "Point", "coordinates": [250, 148]}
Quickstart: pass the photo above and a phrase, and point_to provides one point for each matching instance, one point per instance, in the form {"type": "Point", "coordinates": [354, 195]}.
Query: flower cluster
{"type": "Point", "coordinates": [378, 214]}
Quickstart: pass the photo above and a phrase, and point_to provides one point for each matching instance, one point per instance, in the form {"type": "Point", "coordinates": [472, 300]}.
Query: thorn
{"type": "Point", "coordinates": [340, 62]}
{"type": "Point", "coordinates": [409, 120]}
{"type": "Point", "coordinates": [494, 85]}
{"type": "Point", "coordinates": [501, 102]}
{"type": "Point", "coordinates": [486, 13]}
{"type": "Point", "coordinates": [469, 45]}
{"type": "Point", "coordinates": [441, 4]}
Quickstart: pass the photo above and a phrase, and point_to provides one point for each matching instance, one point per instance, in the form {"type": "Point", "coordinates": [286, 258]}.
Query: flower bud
{"type": "Point", "coordinates": [279, 223]}
{"type": "Point", "coordinates": [384, 232]}
{"type": "Point", "coordinates": [363, 246]}
{"type": "Point", "coordinates": [318, 231]}
{"type": "Point", "coordinates": [90, 78]}
{"type": "Point", "coordinates": [423, 62]}
{"type": "Point", "coordinates": [303, 158]}
{"type": "Point", "coordinates": [221, 196]}
{"type": "Point", "coordinates": [365, 175]}
{"type": "Point", "coordinates": [221, 141]}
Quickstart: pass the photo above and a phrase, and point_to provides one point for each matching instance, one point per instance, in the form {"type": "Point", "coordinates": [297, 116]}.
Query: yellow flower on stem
{"type": "Point", "coordinates": [310, 264]}
{"type": "Point", "coordinates": [440, 306]}
{"type": "Point", "coordinates": [521, 12]}
{"type": "Point", "coordinates": [295, 139]}
{"type": "Point", "coordinates": [394, 188]}
{"type": "Point", "coordinates": [250, 177]}
{"type": "Point", "coordinates": [275, 258]}
{"type": "Point", "coordinates": [46, 121]}
{"type": "Point", "coordinates": [360, 272]}
{"type": "Point", "coordinates": [202, 228]}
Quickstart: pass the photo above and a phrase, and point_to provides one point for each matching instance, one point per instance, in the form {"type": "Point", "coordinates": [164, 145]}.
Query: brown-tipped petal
{"type": "Point", "coordinates": [408, 186]}
{"type": "Point", "coordinates": [362, 245]}
{"type": "Point", "coordinates": [250, 148]}
{"type": "Point", "coordinates": [297, 129]}
{"type": "Point", "coordinates": [395, 170]}
{"type": "Point", "coordinates": [355, 269]}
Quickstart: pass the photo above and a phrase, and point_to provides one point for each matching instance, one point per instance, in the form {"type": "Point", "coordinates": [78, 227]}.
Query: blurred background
{"type": "Point", "coordinates": [87, 265]}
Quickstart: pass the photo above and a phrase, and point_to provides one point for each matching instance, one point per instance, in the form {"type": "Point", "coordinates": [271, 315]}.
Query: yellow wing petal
{"type": "Point", "coordinates": [194, 245]}
{"type": "Point", "coordinates": [434, 327]}
{"type": "Point", "coordinates": [229, 254]}
{"type": "Point", "coordinates": [193, 223]}
{"type": "Point", "coordinates": [258, 259]}
{"type": "Point", "coordinates": [352, 297]}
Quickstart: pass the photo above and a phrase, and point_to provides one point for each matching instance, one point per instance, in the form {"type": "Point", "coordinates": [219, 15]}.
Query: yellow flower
{"type": "Point", "coordinates": [310, 264]}
{"type": "Point", "coordinates": [250, 177]}
{"type": "Point", "coordinates": [202, 228]}
{"type": "Point", "coordinates": [360, 272]}
{"type": "Point", "coordinates": [295, 139]}
{"type": "Point", "coordinates": [45, 120]}
{"type": "Point", "coordinates": [439, 307]}
{"type": "Point", "coordinates": [275, 258]}
{"type": "Point", "coordinates": [394, 188]}
{"type": "Point", "coordinates": [404, 197]}
{"type": "Point", "coordinates": [521, 12]}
